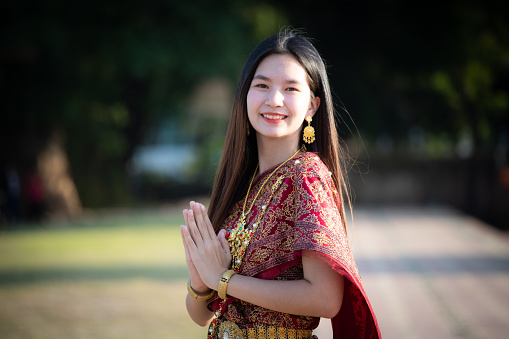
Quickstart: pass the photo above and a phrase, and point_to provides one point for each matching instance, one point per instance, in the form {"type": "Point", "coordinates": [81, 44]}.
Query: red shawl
{"type": "Point", "coordinates": [302, 215]}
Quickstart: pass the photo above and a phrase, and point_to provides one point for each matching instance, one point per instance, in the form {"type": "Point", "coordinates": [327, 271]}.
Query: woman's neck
{"type": "Point", "coordinates": [274, 152]}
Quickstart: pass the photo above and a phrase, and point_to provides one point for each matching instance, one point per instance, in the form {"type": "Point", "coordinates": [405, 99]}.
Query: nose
{"type": "Point", "coordinates": [274, 98]}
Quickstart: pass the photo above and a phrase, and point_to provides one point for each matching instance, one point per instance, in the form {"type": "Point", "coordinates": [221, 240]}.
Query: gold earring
{"type": "Point", "coordinates": [248, 131]}
{"type": "Point", "coordinates": [309, 131]}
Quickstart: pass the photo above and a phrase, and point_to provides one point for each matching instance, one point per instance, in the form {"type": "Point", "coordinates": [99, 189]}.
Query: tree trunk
{"type": "Point", "coordinates": [61, 195]}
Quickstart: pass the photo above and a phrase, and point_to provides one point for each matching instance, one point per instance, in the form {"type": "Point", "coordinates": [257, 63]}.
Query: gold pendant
{"type": "Point", "coordinates": [242, 222]}
{"type": "Point", "coordinates": [229, 330]}
{"type": "Point", "coordinates": [309, 134]}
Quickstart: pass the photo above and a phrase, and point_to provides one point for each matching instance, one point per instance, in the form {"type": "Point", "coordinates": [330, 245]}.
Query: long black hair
{"type": "Point", "coordinates": [240, 156]}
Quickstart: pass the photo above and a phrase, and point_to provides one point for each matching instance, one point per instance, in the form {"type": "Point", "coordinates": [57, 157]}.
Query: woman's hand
{"type": "Point", "coordinates": [208, 255]}
{"type": "Point", "coordinates": [197, 283]}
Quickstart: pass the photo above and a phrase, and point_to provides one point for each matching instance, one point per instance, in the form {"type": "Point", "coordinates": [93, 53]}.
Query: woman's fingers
{"type": "Point", "coordinates": [189, 244]}
{"type": "Point", "coordinates": [221, 236]}
{"type": "Point", "coordinates": [186, 250]}
{"type": "Point", "coordinates": [193, 227]}
{"type": "Point", "coordinates": [194, 275]}
{"type": "Point", "coordinates": [223, 241]}
{"type": "Point", "coordinates": [201, 216]}
{"type": "Point", "coordinates": [186, 216]}
{"type": "Point", "coordinates": [198, 218]}
{"type": "Point", "coordinates": [184, 212]}
{"type": "Point", "coordinates": [210, 228]}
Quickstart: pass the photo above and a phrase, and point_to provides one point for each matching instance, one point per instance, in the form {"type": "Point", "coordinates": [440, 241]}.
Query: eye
{"type": "Point", "coordinates": [292, 89]}
{"type": "Point", "coordinates": [261, 86]}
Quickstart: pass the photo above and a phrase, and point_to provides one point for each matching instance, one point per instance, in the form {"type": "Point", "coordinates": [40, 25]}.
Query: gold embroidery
{"type": "Point", "coordinates": [271, 332]}
{"type": "Point", "coordinates": [251, 332]}
{"type": "Point", "coordinates": [303, 214]}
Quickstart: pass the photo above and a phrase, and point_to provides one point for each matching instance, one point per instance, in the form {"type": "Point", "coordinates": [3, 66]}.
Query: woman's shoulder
{"type": "Point", "coordinates": [311, 165]}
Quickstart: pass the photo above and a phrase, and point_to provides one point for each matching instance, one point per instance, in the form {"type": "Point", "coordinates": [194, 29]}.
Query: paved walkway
{"type": "Point", "coordinates": [432, 273]}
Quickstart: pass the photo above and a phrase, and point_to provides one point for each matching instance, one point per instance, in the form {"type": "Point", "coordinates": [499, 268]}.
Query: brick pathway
{"type": "Point", "coordinates": [432, 273]}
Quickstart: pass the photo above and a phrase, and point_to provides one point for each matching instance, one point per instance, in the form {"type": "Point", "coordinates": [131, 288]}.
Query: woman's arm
{"type": "Point", "coordinates": [198, 311]}
{"type": "Point", "coordinates": [319, 294]}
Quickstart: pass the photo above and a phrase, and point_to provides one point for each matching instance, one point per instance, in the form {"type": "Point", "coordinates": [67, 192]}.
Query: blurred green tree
{"type": "Point", "coordinates": [101, 73]}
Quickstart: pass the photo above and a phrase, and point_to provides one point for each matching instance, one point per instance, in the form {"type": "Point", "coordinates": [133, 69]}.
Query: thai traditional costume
{"type": "Point", "coordinates": [298, 209]}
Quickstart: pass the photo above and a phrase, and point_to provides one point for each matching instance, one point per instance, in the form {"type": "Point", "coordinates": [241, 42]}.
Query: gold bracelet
{"type": "Point", "coordinates": [194, 295]}
{"type": "Point", "coordinates": [223, 283]}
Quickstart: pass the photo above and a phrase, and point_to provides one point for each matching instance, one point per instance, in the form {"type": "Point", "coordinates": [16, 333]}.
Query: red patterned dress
{"type": "Point", "coordinates": [301, 215]}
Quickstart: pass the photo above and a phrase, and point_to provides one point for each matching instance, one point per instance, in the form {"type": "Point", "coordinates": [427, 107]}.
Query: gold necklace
{"type": "Point", "coordinates": [239, 237]}
{"type": "Point", "coordinates": [242, 220]}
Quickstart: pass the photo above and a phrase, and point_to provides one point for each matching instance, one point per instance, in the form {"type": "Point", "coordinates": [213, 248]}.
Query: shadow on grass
{"type": "Point", "coordinates": [26, 277]}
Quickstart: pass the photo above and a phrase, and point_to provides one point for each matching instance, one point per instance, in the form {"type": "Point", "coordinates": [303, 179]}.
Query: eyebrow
{"type": "Point", "coordinates": [264, 78]}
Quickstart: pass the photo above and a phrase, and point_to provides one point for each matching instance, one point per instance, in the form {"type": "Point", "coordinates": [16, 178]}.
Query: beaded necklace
{"type": "Point", "coordinates": [240, 237]}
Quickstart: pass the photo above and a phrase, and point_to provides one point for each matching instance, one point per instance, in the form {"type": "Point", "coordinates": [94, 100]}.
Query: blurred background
{"type": "Point", "coordinates": [115, 112]}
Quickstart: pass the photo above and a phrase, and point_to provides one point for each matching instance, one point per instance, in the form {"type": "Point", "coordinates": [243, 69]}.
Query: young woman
{"type": "Point", "coordinates": [271, 255]}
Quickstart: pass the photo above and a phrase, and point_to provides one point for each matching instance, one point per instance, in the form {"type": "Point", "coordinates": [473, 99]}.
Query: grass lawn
{"type": "Point", "coordinates": [102, 276]}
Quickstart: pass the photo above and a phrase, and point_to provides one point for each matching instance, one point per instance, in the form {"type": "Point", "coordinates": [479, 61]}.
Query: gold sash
{"type": "Point", "coordinates": [230, 330]}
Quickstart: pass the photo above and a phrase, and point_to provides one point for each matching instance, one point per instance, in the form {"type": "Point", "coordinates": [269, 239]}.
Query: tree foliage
{"type": "Point", "coordinates": [103, 72]}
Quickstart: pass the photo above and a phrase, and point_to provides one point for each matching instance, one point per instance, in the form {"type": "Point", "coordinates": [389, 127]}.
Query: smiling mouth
{"type": "Point", "coordinates": [274, 116]}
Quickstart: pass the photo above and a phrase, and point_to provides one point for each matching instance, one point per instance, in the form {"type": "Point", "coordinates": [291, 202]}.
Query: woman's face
{"type": "Point", "coordinates": [279, 99]}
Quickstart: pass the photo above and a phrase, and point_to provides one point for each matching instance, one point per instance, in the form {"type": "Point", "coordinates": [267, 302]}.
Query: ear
{"type": "Point", "coordinates": [313, 106]}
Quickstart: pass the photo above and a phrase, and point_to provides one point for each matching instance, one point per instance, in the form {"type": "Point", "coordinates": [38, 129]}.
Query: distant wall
{"type": "Point", "coordinates": [472, 185]}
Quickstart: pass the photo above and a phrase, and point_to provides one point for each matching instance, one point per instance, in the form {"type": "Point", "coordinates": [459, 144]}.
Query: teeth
{"type": "Point", "coordinates": [274, 117]}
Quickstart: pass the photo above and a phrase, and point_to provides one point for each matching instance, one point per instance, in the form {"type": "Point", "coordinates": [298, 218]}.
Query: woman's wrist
{"type": "Point", "coordinates": [223, 283]}
{"type": "Point", "coordinates": [200, 290]}
{"type": "Point", "coordinates": [199, 295]}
